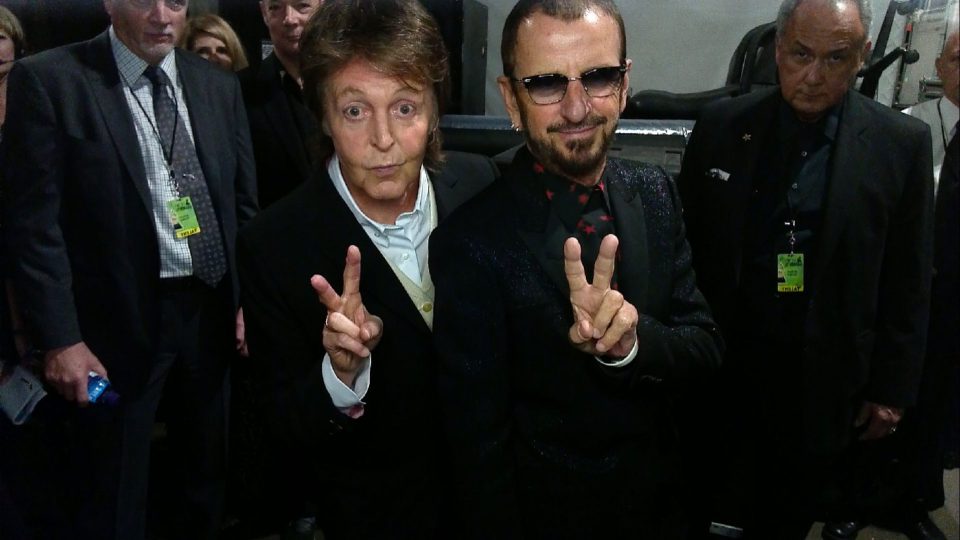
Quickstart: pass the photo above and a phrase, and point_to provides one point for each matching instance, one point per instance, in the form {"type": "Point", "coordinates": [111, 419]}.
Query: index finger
{"type": "Point", "coordinates": [606, 260]}
{"type": "Point", "coordinates": [351, 271]}
{"type": "Point", "coordinates": [572, 266]}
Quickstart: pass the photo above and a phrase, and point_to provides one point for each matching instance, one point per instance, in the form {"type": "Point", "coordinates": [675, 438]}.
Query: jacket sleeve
{"type": "Point", "coordinates": [33, 191]}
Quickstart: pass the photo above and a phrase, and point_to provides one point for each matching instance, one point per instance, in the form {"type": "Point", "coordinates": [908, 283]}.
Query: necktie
{"type": "Point", "coordinates": [206, 247]}
{"type": "Point", "coordinates": [584, 210]}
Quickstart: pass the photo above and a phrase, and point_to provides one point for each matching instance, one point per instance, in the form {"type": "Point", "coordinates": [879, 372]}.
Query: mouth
{"type": "Point", "coordinates": [159, 37]}
{"type": "Point", "coordinates": [385, 171]}
{"type": "Point", "coordinates": [584, 129]}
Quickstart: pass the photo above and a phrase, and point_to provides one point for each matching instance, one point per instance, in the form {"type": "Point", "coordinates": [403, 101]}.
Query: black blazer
{"type": "Point", "coordinates": [546, 441]}
{"type": "Point", "coordinates": [77, 208]}
{"type": "Point", "coordinates": [282, 152]}
{"type": "Point", "coordinates": [867, 318]}
{"type": "Point", "coordinates": [377, 476]}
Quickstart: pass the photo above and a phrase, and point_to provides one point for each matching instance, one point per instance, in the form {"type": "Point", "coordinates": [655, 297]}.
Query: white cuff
{"type": "Point", "coordinates": [343, 396]}
{"type": "Point", "coordinates": [623, 361]}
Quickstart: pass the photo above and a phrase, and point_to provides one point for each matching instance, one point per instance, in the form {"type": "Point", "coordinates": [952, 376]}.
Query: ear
{"type": "Point", "coordinates": [509, 95]}
{"type": "Point", "coordinates": [867, 47]}
{"type": "Point", "coordinates": [625, 86]}
{"type": "Point", "coordinates": [263, 10]}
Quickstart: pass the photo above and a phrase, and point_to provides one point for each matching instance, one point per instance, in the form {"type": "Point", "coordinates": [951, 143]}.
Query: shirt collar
{"type": "Point", "coordinates": [791, 126]}
{"type": "Point", "coordinates": [951, 113]}
{"type": "Point", "coordinates": [131, 66]}
{"type": "Point", "coordinates": [420, 209]}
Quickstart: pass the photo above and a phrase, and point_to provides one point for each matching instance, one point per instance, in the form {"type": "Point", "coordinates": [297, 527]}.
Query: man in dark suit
{"type": "Point", "coordinates": [353, 374]}
{"type": "Point", "coordinates": [556, 380]}
{"type": "Point", "coordinates": [109, 143]}
{"type": "Point", "coordinates": [808, 208]}
{"type": "Point", "coordinates": [281, 127]}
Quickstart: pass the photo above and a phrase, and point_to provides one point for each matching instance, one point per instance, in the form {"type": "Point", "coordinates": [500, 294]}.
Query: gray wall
{"type": "Point", "coordinates": [676, 45]}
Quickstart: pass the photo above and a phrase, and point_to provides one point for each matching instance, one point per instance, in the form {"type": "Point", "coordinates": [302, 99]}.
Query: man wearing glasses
{"type": "Point", "coordinates": [129, 170]}
{"type": "Point", "coordinates": [558, 350]}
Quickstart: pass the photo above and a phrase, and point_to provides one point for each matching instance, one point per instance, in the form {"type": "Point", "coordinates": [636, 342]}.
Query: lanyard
{"type": "Point", "coordinates": [167, 152]}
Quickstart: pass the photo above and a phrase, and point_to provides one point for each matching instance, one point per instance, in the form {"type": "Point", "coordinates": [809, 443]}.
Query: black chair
{"type": "Point", "coordinates": [752, 66]}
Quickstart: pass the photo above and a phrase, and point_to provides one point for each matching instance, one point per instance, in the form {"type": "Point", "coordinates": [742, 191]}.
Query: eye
{"type": "Point", "coordinates": [353, 112]}
{"type": "Point", "coordinates": [405, 110]}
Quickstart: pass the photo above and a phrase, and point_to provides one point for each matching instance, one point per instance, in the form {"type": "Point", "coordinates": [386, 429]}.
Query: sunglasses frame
{"type": "Point", "coordinates": [621, 69]}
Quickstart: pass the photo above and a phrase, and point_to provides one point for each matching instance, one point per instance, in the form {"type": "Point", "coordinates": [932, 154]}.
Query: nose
{"type": "Point", "coordinates": [381, 135]}
{"type": "Point", "coordinates": [814, 73]}
{"type": "Point", "coordinates": [159, 12]}
{"type": "Point", "coordinates": [289, 16]}
{"type": "Point", "coordinates": [575, 103]}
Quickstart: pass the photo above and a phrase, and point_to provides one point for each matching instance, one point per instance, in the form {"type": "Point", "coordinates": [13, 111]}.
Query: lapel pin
{"type": "Point", "coordinates": [747, 137]}
{"type": "Point", "coordinates": [718, 174]}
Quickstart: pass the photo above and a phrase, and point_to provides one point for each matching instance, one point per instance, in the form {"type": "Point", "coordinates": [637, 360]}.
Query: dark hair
{"type": "Point", "coordinates": [789, 6]}
{"type": "Point", "coordinates": [398, 37]}
{"type": "Point", "coordinates": [10, 25]}
{"type": "Point", "coordinates": [565, 10]}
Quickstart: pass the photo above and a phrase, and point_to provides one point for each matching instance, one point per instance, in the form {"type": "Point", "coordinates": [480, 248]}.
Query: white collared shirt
{"type": "Point", "coordinates": [941, 115]}
{"type": "Point", "coordinates": [175, 258]}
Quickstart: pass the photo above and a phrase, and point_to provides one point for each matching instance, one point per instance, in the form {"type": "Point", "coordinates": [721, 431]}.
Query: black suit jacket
{"type": "Point", "coordinates": [77, 208]}
{"type": "Point", "coordinates": [282, 152]}
{"type": "Point", "coordinates": [547, 442]}
{"type": "Point", "coordinates": [867, 317]}
{"type": "Point", "coordinates": [377, 476]}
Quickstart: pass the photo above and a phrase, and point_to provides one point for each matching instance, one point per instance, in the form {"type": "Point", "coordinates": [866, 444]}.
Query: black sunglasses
{"type": "Point", "coordinates": [550, 88]}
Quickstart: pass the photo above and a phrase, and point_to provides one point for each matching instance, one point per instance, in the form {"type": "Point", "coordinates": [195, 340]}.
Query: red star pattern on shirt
{"type": "Point", "coordinates": [583, 198]}
{"type": "Point", "coordinates": [538, 168]}
{"type": "Point", "coordinates": [549, 195]}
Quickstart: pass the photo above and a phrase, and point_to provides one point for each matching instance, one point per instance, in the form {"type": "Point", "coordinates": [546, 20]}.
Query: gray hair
{"type": "Point", "coordinates": [789, 6]}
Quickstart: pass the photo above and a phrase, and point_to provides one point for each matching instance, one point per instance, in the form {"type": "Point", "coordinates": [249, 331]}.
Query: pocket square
{"type": "Point", "coordinates": [718, 174]}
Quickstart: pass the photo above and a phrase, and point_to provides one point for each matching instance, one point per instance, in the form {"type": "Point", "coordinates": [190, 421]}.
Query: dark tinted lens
{"type": "Point", "coordinates": [546, 88]}
{"type": "Point", "coordinates": [601, 82]}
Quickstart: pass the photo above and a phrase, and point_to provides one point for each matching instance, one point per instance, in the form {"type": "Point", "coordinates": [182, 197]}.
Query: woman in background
{"type": "Point", "coordinates": [212, 38]}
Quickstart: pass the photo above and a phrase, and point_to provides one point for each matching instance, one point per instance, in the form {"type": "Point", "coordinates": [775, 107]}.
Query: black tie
{"type": "Point", "coordinates": [206, 247]}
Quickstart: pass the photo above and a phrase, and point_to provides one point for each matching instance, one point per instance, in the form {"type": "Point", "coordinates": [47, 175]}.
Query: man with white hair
{"type": "Point", "coordinates": [808, 210]}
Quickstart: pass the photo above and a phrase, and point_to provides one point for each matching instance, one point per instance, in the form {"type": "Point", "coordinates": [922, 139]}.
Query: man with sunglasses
{"type": "Point", "coordinates": [565, 304]}
{"type": "Point", "coordinates": [809, 209]}
{"type": "Point", "coordinates": [128, 171]}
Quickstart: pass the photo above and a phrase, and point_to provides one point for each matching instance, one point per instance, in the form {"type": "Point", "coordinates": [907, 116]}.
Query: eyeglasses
{"type": "Point", "coordinates": [550, 88]}
{"type": "Point", "coordinates": [172, 5]}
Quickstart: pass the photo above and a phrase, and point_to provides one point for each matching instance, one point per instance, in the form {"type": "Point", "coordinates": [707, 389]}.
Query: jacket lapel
{"type": "Point", "coordinates": [631, 228]}
{"type": "Point", "coordinates": [844, 181]}
{"type": "Point", "coordinates": [377, 279]}
{"type": "Point", "coordinates": [107, 87]}
{"type": "Point", "coordinates": [752, 135]}
{"type": "Point", "coordinates": [533, 211]}
{"type": "Point", "coordinates": [207, 132]}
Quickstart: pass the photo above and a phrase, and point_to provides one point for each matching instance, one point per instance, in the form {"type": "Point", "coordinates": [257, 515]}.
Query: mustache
{"type": "Point", "coordinates": [592, 120]}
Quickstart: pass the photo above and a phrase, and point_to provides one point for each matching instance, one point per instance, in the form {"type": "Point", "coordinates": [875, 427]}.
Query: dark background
{"type": "Point", "coordinates": [50, 23]}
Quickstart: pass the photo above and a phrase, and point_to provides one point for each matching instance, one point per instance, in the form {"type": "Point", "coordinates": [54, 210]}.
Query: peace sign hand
{"type": "Point", "coordinates": [350, 332]}
{"type": "Point", "coordinates": [604, 323]}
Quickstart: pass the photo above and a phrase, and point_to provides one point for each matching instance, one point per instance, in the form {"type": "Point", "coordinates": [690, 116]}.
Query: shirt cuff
{"type": "Point", "coordinates": [347, 400]}
{"type": "Point", "coordinates": [620, 362]}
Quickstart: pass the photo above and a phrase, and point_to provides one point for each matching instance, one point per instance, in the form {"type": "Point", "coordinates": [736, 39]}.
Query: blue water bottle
{"type": "Point", "coordinates": [98, 390]}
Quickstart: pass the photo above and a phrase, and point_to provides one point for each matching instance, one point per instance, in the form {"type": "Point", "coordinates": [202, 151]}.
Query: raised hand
{"type": "Point", "coordinates": [604, 323]}
{"type": "Point", "coordinates": [350, 332]}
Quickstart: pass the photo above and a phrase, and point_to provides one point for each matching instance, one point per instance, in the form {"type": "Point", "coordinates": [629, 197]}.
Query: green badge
{"type": "Point", "coordinates": [790, 272]}
{"type": "Point", "coordinates": [183, 216]}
